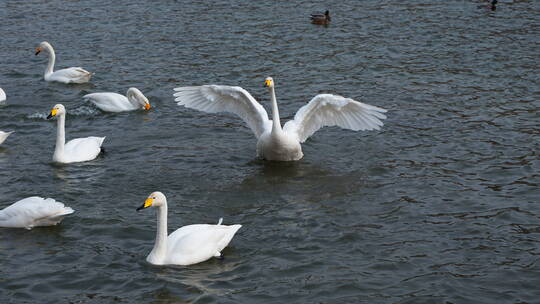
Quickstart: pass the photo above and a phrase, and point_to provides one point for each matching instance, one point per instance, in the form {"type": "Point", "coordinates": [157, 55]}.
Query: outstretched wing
{"type": "Point", "coordinates": [333, 110]}
{"type": "Point", "coordinates": [219, 98]}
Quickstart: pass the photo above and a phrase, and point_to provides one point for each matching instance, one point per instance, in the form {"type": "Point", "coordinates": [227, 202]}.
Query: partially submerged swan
{"type": "Point", "coordinates": [2, 95]}
{"type": "Point", "coordinates": [32, 212]}
{"type": "Point", "coordinates": [187, 245]}
{"type": "Point", "coordinates": [274, 142]}
{"type": "Point", "coordinates": [75, 150]}
{"type": "Point", "coordinates": [113, 102]}
{"type": "Point", "coordinates": [69, 75]}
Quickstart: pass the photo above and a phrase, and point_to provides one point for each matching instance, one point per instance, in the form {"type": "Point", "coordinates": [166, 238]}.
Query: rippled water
{"type": "Point", "coordinates": [441, 206]}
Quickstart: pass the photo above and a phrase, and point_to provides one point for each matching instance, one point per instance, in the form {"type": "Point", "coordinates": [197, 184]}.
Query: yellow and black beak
{"type": "Point", "coordinates": [147, 106]}
{"type": "Point", "coordinates": [268, 82]}
{"type": "Point", "coordinates": [147, 203]}
{"type": "Point", "coordinates": [38, 50]}
{"type": "Point", "coordinates": [53, 113]}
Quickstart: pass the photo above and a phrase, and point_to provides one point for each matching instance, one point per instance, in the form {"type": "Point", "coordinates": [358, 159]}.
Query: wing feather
{"type": "Point", "coordinates": [333, 110]}
{"type": "Point", "coordinates": [219, 98]}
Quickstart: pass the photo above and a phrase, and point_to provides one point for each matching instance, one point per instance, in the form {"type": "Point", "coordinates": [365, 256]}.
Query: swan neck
{"type": "Point", "coordinates": [276, 123]}
{"type": "Point", "coordinates": [60, 135]}
{"type": "Point", "coordinates": [134, 99]}
{"type": "Point", "coordinates": [160, 247]}
{"type": "Point", "coordinates": [52, 59]}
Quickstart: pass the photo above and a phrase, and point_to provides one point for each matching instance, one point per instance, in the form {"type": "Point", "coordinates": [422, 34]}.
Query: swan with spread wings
{"type": "Point", "coordinates": [275, 142]}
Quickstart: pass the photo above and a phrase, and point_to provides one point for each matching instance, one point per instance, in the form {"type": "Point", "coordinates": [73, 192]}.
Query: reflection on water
{"type": "Point", "coordinates": [76, 176]}
{"type": "Point", "coordinates": [200, 277]}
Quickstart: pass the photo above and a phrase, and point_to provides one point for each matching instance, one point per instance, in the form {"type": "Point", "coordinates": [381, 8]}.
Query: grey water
{"type": "Point", "coordinates": [440, 206]}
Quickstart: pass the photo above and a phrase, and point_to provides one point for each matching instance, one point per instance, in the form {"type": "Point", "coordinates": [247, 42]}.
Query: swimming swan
{"type": "Point", "coordinates": [4, 135]}
{"type": "Point", "coordinates": [2, 95]}
{"type": "Point", "coordinates": [75, 150]}
{"type": "Point", "coordinates": [69, 75]}
{"type": "Point", "coordinates": [187, 245]}
{"type": "Point", "coordinates": [32, 212]}
{"type": "Point", "coordinates": [113, 102]}
{"type": "Point", "coordinates": [275, 143]}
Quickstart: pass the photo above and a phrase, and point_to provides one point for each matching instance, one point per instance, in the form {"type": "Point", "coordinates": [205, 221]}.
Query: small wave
{"type": "Point", "coordinates": [80, 111]}
{"type": "Point", "coordinates": [38, 116]}
{"type": "Point", "coordinates": [84, 111]}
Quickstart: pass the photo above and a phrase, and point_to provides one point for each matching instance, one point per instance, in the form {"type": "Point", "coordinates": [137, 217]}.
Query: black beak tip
{"type": "Point", "coordinates": [50, 116]}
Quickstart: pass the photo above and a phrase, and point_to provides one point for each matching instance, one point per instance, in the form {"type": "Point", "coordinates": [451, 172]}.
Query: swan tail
{"type": "Point", "coordinates": [67, 210]}
{"type": "Point", "coordinates": [227, 236]}
{"type": "Point", "coordinates": [101, 139]}
{"type": "Point", "coordinates": [52, 220]}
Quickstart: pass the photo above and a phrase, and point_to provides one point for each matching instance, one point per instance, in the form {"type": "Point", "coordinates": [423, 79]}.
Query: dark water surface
{"type": "Point", "coordinates": [440, 206]}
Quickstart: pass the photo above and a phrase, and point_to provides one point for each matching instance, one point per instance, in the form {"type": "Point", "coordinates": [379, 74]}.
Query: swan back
{"type": "Point", "coordinates": [81, 149]}
{"type": "Point", "coordinates": [33, 212]}
{"type": "Point", "coordinates": [70, 75]}
{"type": "Point", "coordinates": [109, 102]}
{"type": "Point", "coordinates": [2, 95]}
{"type": "Point", "coordinates": [197, 243]}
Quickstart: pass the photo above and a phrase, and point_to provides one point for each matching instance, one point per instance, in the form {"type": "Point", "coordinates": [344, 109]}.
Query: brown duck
{"type": "Point", "coordinates": [321, 18]}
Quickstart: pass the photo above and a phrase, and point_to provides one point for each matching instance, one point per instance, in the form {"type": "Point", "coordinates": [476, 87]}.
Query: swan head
{"type": "Point", "coordinates": [156, 199]}
{"type": "Point", "coordinates": [269, 82]}
{"type": "Point", "coordinates": [43, 46]}
{"type": "Point", "coordinates": [57, 110]}
{"type": "Point", "coordinates": [134, 93]}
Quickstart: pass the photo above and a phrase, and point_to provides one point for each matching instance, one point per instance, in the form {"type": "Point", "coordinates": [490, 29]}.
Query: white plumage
{"type": "Point", "coordinates": [274, 142]}
{"type": "Point", "coordinates": [2, 95]}
{"type": "Point", "coordinates": [68, 75]}
{"type": "Point", "coordinates": [76, 150]}
{"type": "Point", "coordinates": [113, 102]}
{"type": "Point", "coordinates": [4, 135]}
{"type": "Point", "coordinates": [187, 245]}
{"type": "Point", "coordinates": [32, 212]}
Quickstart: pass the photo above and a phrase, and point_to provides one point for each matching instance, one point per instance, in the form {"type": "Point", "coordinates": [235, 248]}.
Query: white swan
{"type": "Point", "coordinates": [32, 212]}
{"type": "Point", "coordinates": [113, 102]}
{"type": "Point", "coordinates": [2, 95]}
{"type": "Point", "coordinates": [275, 143]}
{"type": "Point", "coordinates": [4, 135]}
{"type": "Point", "coordinates": [189, 244]}
{"type": "Point", "coordinates": [69, 75]}
{"type": "Point", "coordinates": [76, 150]}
